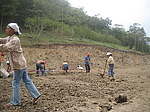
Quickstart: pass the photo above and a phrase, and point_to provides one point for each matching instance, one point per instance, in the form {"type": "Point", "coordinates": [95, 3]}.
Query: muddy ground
{"type": "Point", "coordinates": [79, 91]}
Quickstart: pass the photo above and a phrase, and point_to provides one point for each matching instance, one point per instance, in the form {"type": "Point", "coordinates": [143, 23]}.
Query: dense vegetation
{"type": "Point", "coordinates": [55, 21]}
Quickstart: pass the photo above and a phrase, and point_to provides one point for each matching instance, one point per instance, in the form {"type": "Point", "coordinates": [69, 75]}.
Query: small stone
{"type": "Point", "coordinates": [121, 98]}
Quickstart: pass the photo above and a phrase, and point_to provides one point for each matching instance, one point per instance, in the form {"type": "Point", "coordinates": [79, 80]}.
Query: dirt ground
{"type": "Point", "coordinates": [79, 91]}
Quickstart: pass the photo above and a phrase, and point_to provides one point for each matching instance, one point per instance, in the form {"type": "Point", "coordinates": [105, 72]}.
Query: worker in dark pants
{"type": "Point", "coordinates": [40, 65]}
{"type": "Point", "coordinates": [87, 63]}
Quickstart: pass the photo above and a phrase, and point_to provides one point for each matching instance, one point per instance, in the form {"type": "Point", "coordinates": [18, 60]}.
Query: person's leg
{"type": "Point", "coordinates": [30, 85]}
{"type": "Point", "coordinates": [66, 68]}
{"type": "Point", "coordinates": [88, 68]}
{"type": "Point", "coordinates": [15, 99]}
{"type": "Point", "coordinates": [112, 73]}
{"type": "Point", "coordinates": [109, 71]}
{"type": "Point", "coordinates": [42, 69]}
{"type": "Point", "coordinates": [37, 68]}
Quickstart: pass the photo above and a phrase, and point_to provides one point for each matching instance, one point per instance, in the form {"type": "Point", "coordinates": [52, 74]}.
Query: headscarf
{"type": "Point", "coordinates": [15, 27]}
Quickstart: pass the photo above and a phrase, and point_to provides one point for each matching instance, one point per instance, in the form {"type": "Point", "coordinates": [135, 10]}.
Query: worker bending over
{"type": "Point", "coordinates": [40, 65]}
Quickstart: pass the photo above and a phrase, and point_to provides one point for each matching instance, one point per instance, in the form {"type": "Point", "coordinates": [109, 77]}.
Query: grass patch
{"type": "Point", "coordinates": [27, 39]}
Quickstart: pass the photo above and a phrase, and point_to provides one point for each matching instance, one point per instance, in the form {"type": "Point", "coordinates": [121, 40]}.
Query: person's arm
{"type": "Point", "coordinates": [62, 66]}
{"type": "Point", "coordinates": [44, 66]}
{"type": "Point", "coordinates": [85, 59]}
{"type": "Point", "coordinates": [110, 60]}
{"type": "Point", "coordinates": [3, 40]}
{"type": "Point", "coordinates": [10, 46]}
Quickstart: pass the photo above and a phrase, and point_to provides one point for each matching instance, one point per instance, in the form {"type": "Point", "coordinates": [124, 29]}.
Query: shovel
{"type": "Point", "coordinates": [102, 74]}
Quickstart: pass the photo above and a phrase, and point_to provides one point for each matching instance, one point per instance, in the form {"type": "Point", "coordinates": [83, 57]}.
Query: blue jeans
{"type": "Point", "coordinates": [110, 70]}
{"type": "Point", "coordinates": [39, 66]}
{"type": "Point", "coordinates": [87, 67]}
{"type": "Point", "coordinates": [17, 77]}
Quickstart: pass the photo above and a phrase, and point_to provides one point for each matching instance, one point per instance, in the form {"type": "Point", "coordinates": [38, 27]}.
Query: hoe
{"type": "Point", "coordinates": [102, 74]}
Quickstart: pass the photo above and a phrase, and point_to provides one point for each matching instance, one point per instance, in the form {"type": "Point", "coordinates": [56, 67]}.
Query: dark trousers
{"type": "Point", "coordinates": [87, 67]}
{"type": "Point", "coordinates": [40, 67]}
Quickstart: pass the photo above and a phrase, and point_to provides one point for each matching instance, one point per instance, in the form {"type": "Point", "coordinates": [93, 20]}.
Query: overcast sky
{"type": "Point", "coordinates": [123, 12]}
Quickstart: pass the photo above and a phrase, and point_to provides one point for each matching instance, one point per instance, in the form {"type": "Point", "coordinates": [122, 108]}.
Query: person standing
{"type": "Point", "coordinates": [12, 46]}
{"type": "Point", "coordinates": [110, 62]}
{"type": "Point", "coordinates": [40, 65]}
{"type": "Point", "coordinates": [87, 60]}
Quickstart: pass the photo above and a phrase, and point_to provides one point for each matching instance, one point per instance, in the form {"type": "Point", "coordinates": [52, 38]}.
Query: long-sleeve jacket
{"type": "Point", "coordinates": [12, 46]}
{"type": "Point", "coordinates": [110, 60]}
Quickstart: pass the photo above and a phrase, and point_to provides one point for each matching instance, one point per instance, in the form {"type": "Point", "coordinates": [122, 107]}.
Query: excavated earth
{"type": "Point", "coordinates": [79, 91]}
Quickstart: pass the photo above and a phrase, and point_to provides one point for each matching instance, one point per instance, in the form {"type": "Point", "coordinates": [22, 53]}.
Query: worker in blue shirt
{"type": "Point", "coordinates": [87, 62]}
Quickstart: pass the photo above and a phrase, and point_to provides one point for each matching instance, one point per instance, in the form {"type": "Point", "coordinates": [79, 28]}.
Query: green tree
{"type": "Point", "coordinates": [8, 10]}
{"type": "Point", "coordinates": [24, 11]}
{"type": "Point", "coordinates": [36, 25]}
{"type": "Point", "coordinates": [118, 32]}
{"type": "Point", "coordinates": [136, 36]}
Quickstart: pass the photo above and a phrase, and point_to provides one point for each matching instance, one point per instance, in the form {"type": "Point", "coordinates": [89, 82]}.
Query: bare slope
{"type": "Point", "coordinates": [81, 92]}
{"type": "Point", "coordinates": [55, 54]}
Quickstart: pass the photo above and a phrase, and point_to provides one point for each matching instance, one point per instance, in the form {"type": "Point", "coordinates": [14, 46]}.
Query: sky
{"type": "Point", "coordinates": [123, 12]}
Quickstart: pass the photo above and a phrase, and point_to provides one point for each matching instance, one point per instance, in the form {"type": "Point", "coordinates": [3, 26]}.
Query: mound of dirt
{"type": "Point", "coordinates": [79, 91]}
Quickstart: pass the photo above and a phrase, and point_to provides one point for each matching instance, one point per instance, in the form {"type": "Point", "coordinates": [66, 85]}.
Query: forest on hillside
{"type": "Point", "coordinates": [57, 17]}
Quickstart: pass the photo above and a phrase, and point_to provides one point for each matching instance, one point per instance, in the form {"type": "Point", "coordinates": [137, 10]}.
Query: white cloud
{"type": "Point", "coordinates": [124, 12]}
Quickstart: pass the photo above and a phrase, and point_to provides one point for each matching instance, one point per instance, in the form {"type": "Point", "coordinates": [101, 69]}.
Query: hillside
{"type": "Point", "coordinates": [54, 54]}
{"type": "Point", "coordinates": [52, 20]}
{"type": "Point", "coordinates": [78, 91]}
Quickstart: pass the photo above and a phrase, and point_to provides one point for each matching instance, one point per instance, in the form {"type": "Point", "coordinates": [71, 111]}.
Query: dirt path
{"type": "Point", "coordinates": [140, 101]}
{"type": "Point", "coordinates": [81, 92]}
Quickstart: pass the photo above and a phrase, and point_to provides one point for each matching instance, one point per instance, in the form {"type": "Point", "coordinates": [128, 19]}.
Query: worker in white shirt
{"type": "Point", "coordinates": [110, 62]}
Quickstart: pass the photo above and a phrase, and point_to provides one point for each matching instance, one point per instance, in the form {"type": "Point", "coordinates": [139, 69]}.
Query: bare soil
{"type": "Point", "coordinates": [79, 91]}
